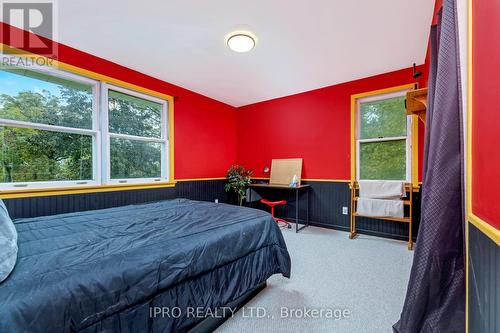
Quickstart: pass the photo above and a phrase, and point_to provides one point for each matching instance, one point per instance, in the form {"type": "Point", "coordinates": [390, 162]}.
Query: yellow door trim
{"type": "Point", "coordinates": [486, 228]}
{"type": "Point", "coordinates": [468, 159]}
{"type": "Point", "coordinates": [483, 226]}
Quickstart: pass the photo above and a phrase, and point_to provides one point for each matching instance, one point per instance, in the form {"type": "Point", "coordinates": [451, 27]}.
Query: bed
{"type": "Point", "coordinates": [111, 270]}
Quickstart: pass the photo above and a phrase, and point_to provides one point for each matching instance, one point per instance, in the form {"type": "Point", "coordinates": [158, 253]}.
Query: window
{"type": "Point", "coordinates": [47, 129]}
{"type": "Point", "coordinates": [136, 136]}
{"type": "Point", "coordinates": [58, 129]}
{"type": "Point", "coordinates": [383, 138]}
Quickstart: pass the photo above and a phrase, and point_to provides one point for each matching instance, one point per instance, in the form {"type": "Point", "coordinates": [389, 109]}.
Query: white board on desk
{"type": "Point", "coordinates": [283, 170]}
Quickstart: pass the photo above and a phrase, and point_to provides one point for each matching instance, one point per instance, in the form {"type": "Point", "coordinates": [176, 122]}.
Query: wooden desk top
{"type": "Point", "coordinates": [281, 187]}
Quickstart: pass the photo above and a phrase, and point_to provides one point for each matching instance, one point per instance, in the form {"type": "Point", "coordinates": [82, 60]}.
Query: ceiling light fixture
{"type": "Point", "coordinates": [241, 42]}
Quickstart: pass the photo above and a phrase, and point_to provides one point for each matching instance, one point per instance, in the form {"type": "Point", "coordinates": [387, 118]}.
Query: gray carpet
{"type": "Point", "coordinates": [366, 276]}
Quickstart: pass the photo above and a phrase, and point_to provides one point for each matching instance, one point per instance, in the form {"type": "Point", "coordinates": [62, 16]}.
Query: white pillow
{"type": "Point", "coordinates": [8, 243]}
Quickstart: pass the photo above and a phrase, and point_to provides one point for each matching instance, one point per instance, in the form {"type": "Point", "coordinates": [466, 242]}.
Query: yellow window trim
{"type": "Point", "coordinates": [414, 149]}
{"type": "Point", "coordinates": [6, 49]}
{"type": "Point", "coordinates": [414, 139]}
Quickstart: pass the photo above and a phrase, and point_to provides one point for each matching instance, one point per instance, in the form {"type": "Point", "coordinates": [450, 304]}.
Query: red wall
{"type": "Point", "coordinates": [314, 125]}
{"type": "Point", "coordinates": [205, 129]}
{"type": "Point", "coordinates": [485, 111]}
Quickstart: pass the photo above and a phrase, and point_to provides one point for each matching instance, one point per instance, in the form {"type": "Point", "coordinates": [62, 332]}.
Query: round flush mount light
{"type": "Point", "coordinates": [241, 42]}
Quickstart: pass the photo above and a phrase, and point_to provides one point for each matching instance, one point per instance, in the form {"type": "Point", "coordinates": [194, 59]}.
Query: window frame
{"type": "Point", "coordinates": [100, 136]}
{"type": "Point", "coordinates": [93, 132]}
{"type": "Point", "coordinates": [408, 138]}
{"type": "Point", "coordinates": [107, 135]}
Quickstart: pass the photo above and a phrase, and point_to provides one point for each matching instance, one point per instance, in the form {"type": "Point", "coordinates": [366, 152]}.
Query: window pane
{"type": "Point", "coordinates": [29, 155]}
{"type": "Point", "coordinates": [383, 160]}
{"type": "Point", "coordinates": [135, 159]}
{"type": "Point", "coordinates": [133, 116]}
{"type": "Point", "coordinates": [383, 118]}
{"type": "Point", "coordinates": [27, 95]}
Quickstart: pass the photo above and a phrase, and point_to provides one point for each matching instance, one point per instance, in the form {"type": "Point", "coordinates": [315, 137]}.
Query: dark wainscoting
{"type": "Point", "coordinates": [327, 200]}
{"type": "Point", "coordinates": [484, 282]}
{"type": "Point", "coordinates": [203, 190]}
{"type": "Point", "coordinates": [68, 203]}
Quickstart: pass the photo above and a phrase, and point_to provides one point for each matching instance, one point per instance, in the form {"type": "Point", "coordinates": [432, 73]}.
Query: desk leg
{"type": "Point", "coordinates": [297, 229]}
{"type": "Point", "coordinates": [308, 203]}
{"type": "Point", "coordinates": [296, 211]}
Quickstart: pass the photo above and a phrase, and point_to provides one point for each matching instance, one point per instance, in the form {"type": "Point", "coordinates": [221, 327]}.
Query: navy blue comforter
{"type": "Point", "coordinates": [103, 270]}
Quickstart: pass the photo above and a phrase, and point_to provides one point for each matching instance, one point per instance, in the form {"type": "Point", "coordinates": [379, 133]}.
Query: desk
{"type": "Point", "coordinates": [297, 190]}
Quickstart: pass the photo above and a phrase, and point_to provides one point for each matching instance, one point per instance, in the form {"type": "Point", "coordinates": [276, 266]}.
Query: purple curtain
{"type": "Point", "coordinates": [435, 298]}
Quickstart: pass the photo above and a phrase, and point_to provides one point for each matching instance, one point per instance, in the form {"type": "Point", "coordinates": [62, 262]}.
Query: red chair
{"type": "Point", "coordinates": [273, 204]}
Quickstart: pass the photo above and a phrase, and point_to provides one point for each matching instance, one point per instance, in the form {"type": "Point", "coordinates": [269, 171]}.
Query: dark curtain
{"type": "Point", "coordinates": [435, 298]}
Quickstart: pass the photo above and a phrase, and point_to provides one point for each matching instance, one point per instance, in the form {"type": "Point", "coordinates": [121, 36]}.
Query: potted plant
{"type": "Point", "coordinates": [238, 179]}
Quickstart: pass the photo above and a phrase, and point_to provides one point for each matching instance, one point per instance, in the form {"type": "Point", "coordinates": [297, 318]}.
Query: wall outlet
{"type": "Point", "coordinates": [216, 200]}
{"type": "Point", "coordinates": [345, 211]}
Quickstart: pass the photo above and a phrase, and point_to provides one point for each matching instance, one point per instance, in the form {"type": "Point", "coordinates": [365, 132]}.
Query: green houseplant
{"type": "Point", "coordinates": [238, 179]}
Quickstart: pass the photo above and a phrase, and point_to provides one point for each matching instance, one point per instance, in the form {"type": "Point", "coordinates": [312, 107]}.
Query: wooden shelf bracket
{"type": "Point", "coordinates": [416, 103]}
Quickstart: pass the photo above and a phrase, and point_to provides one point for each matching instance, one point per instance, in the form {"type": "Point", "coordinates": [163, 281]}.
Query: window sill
{"type": "Point", "coordinates": [40, 192]}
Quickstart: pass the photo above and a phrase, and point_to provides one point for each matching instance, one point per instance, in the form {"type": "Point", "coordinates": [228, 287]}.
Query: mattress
{"type": "Point", "coordinates": [105, 270]}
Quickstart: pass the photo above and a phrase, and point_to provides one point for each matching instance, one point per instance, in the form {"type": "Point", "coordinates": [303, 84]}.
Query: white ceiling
{"type": "Point", "coordinates": [302, 45]}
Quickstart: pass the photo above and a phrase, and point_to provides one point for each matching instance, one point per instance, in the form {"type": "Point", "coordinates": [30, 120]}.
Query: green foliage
{"type": "Point", "coordinates": [73, 108]}
{"type": "Point", "coordinates": [383, 118]}
{"type": "Point", "coordinates": [238, 179]}
{"type": "Point", "coordinates": [135, 159]}
{"type": "Point", "coordinates": [383, 160]}
{"type": "Point", "coordinates": [36, 155]}
{"type": "Point", "coordinates": [30, 155]}
{"type": "Point", "coordinates": [134, 116]}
